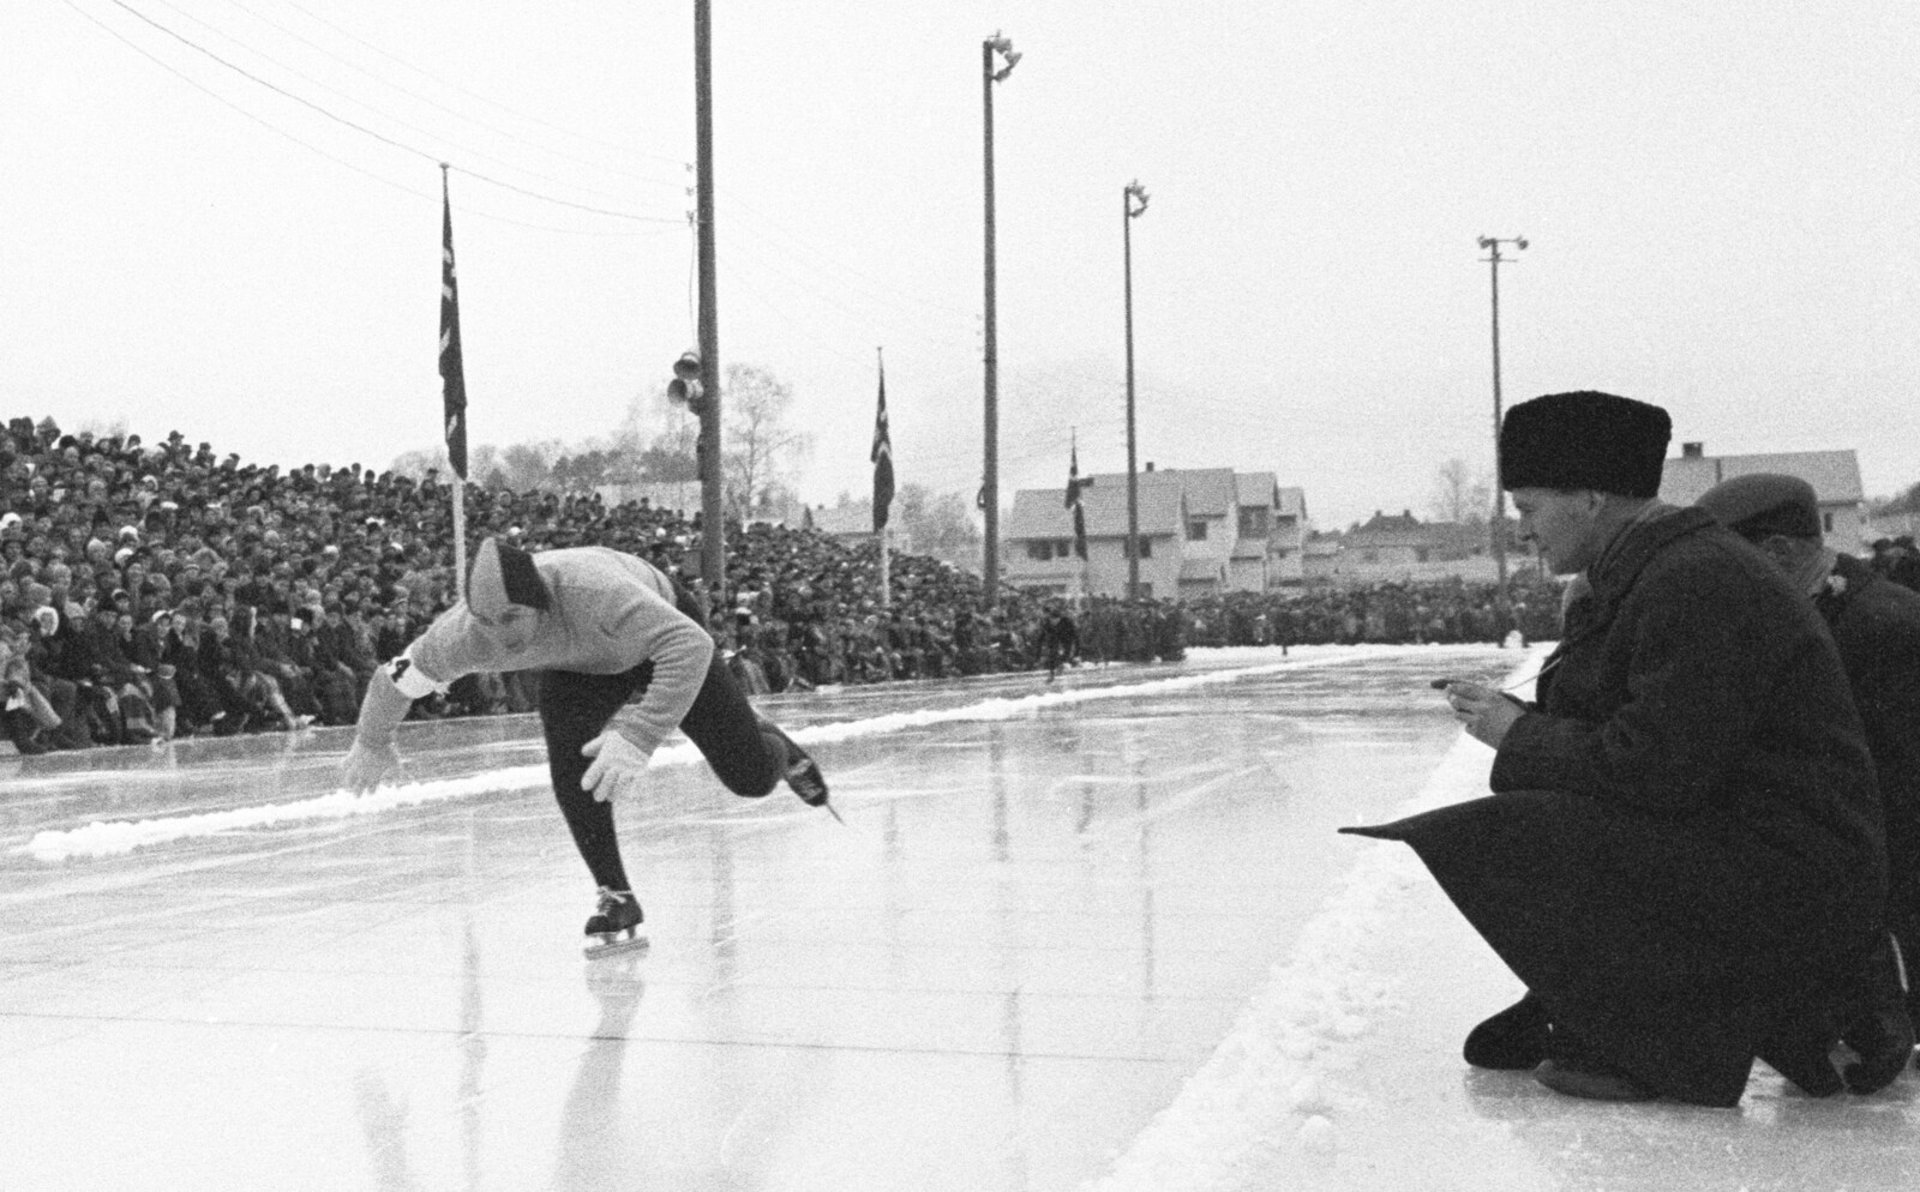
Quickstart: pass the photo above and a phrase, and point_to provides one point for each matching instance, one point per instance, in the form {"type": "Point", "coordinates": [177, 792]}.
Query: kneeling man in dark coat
{"type": "Point", "coordinates": [1683, 857]}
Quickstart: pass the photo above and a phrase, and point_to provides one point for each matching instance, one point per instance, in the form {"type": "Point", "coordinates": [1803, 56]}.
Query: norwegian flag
{"type": "Point", "coordinates": [453, 375]}
{"type": "Point", "coordinates": [882, 457]}
{"type": "Point", "coordinates": [1074, 486]}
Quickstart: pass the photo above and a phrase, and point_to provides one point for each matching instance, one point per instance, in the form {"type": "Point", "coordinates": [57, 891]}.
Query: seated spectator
{"type": "Point", "coordinates": [26, 715]}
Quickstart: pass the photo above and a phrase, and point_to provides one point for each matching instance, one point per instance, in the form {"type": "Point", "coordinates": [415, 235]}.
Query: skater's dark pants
{"type": "Point", "coordinates": [747, 754]}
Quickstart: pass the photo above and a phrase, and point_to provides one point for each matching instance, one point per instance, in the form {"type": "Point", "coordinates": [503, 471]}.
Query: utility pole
{"type": "Point", "coordinates": [1133, 201]}
{"type": "Point", "coordinates": [990, 483]}
{"type": "Point", "coordinates": [1502, 603]}
{"type": "Point", "coordinates": [713, 545]}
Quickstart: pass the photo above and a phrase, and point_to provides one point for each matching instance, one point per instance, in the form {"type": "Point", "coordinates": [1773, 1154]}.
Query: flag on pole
{"type": "Point", "coordinates": [882, 457]}
{"type": "Point", "coordinates": [1073, 502]}
{"type": "Point", "coordinates": [453, 374]}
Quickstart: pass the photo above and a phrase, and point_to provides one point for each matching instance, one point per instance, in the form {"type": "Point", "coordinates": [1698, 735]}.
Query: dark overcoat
{"type": "Point", "coordinates": [1876, 624]}
{"type": "Point", "coordinates": [1684, 849]}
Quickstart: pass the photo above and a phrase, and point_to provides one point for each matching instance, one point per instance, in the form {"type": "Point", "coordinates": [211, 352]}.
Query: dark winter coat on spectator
{"type": "Point", "coordinates": [1684, 852]}
{"type": "Point", "coordinates": [1876, 624]}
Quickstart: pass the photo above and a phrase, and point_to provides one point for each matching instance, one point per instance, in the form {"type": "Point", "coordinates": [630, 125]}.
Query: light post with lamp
{"type": "Point", "coordinates": [1502, 602]}
{"type": "Point", "coordinates": [1133, 202]}
{"type": "Point", "coordinates": [1002, 47]}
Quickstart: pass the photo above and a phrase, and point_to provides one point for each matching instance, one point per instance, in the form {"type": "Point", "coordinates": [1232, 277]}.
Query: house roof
{"type": "Point", "coordinates": [1835, 475]}
{"type": "Point", "coordinates": [1389, 529]}
{"type": "Point", "coordinates": [1293, 503]}
{"type": "Point", "coordinates": [1256, 490]}
{"type": "Point", "coordinates": [1042, 512]}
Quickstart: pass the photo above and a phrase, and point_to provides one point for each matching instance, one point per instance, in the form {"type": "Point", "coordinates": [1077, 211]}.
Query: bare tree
{"type": "Point", "coordinates": [761, 450]}
{"type": "Point", "coordinates": [941, 525]}
{"type": "Point", "coordinates": [1461, 497]}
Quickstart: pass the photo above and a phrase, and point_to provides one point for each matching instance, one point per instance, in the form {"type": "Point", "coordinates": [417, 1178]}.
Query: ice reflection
{"type": "Point", "coordinates": [599, 1146]}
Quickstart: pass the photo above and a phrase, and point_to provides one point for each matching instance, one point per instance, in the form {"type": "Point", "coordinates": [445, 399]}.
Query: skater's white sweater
{"type": "Point", "coordinates": [610, 612]}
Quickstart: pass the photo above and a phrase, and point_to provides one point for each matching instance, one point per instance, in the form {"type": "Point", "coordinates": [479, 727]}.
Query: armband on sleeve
{"type": "Point", "coordinates": [409, 679]}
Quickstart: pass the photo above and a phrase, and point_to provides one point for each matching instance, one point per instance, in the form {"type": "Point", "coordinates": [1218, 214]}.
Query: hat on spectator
{"type": "Point", "coordinates": [1585, 440]}
{"type": "Point", "coordinates": [504, 575]}
{"type": "Point", "coordinates": [1764, 504]}
{"type": "Point", "coordinates": [46, 618]}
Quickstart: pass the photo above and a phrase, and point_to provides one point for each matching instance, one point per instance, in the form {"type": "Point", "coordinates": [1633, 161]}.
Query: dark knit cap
{"type": "Point", "coordinates": [1764, 504]}
{"type": "Point", "coordinates": [1585, 440]}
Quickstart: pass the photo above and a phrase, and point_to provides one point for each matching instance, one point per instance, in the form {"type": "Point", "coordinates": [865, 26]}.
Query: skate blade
{"type": "Point", "coordinates": [612, 945]}
{"type": "Point", "coordinates": [834, 813]}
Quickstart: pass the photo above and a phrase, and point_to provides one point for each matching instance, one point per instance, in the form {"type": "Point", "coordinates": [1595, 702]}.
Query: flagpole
{"type": "Point", "coordinates": [453, 388]}
{"type": "Point", "coordinates": [459, 537]}
{"type": "Point", "coordinates": [885, 532]}
{"type": "Point", "coordinates": [1080, 540]}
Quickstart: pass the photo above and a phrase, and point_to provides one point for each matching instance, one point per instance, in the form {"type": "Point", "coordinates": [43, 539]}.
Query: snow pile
{"type": "Point", "coordinates": [102, 838]}
{"type": "Point", "coordinates": [1000, 708]}
{"type": "Point", "coordinates": [1266, 1087]}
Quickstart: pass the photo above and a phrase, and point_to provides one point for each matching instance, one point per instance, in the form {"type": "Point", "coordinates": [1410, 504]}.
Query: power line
{"type": "Point", "coordinates": [481, 212]}
{"type": "Point", "coordinates": [433, 103]}
{"type": "Point", "coordinates": [327, 88]}
{"type": "Point", "coordinates": [316, 18]}
{"type": "Point", "coordinates": [376, 135]}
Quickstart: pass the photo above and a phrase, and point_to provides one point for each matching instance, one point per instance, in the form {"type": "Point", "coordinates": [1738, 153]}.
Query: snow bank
{"type": "Point", "coordinates": [1266, 1088]}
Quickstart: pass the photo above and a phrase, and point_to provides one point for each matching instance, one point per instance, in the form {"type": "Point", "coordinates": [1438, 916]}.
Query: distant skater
{"type": "Point", "coordinates": [1059, 638]}
{"type": "Point", "coordinates": [599, 627]}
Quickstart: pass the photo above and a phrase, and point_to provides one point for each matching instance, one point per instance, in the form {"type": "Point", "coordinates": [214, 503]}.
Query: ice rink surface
{"type": "Point", "coordinates": [1098, 934]}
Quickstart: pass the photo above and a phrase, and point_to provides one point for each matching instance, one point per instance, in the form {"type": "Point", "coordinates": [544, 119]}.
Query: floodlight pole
{"type": "Point", "coordinates": [990, 479]}
{"type": "Point", "coordinates": [1133, 201]}
{"type": "Point", "coordinates": [1502, 602]}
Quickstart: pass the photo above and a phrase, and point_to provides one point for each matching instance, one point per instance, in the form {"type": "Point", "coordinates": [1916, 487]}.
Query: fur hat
{"type": "Point", "coordinates": [1763, 504]}
{"type": "Point", "coordinates": [1585, 440]}
{"type": "Point", "coordinates": [504, 575]}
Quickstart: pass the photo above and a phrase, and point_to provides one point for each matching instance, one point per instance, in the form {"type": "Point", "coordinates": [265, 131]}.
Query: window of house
{"type": "Point", "coordinates": [1039, 550]}
{"type": "Point", "coordinates": [1253, 523]}
{"type": "Point", "coordinates": [1062, 547]}
{"type": "Point", "coordinates": [1826, 521]}
{"type": "Point", "coordinates": [1196, 531]}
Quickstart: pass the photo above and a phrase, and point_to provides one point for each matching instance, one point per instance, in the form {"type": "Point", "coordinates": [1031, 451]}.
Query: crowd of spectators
{"type": "Point", "coordinates": [1451, 610]}
{"type": "Point", "coordinates": [154, 591]}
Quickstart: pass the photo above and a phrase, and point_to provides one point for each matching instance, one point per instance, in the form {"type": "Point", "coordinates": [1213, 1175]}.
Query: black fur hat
{"type": "Point", "coordinates": [1585, 440]}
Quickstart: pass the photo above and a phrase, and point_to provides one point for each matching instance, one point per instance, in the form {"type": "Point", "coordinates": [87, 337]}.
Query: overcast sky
{"type": "Point", "coordinates": [241, 240]}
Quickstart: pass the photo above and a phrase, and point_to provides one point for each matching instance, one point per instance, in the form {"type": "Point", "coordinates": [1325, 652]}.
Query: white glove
{"type": "Point", "coordinates": [618, 766]}
{"type": "Point", "coordinates": [367, 764]}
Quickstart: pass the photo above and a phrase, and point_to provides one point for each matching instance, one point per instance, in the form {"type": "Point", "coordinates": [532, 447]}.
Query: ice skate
{"type": "Point", "coordinates": [802, 773]}
{"type": "Point", "coordinates": [616, 927]}
{"type": "Point", "coordinates": [804, 776]}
